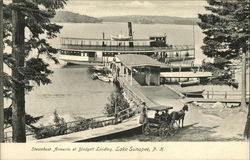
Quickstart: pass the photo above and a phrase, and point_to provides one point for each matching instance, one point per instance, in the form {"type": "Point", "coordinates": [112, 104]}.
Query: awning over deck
{"type": "Point", "coordinates": [135, 60]}
{"type": "Point", "coordinates": [185, 74]}
{"type": "Point", "coordinates": [105, 40]}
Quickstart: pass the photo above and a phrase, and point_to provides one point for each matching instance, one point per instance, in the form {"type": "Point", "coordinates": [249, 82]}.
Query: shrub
{"type": "Point", "coordinates": [59, 127]}
{"type": "Point", "coordinates": [81, 124]}
{"type": "Point", "coordinates": [116, 100]}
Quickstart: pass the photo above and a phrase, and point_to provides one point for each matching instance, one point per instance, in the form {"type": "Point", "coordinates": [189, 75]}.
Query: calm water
{"type": "Point", "coordinates": [73, 93]}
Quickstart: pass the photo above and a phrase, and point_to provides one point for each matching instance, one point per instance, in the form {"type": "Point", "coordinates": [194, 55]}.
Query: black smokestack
{"type": "Point", "coordinates": [130, 33]}
{"type": "Point", "coordinates": [103, 37]}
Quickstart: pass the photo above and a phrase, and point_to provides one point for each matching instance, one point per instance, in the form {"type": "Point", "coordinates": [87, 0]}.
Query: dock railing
{"type": "Point", "coordinates": [218, 94]}
{"type": "Point", "coordinates": [223, 94]}
{"type": "Point", "coordinates": [76, 126]}
{"type": "Point", "coordinates": [127, 113]}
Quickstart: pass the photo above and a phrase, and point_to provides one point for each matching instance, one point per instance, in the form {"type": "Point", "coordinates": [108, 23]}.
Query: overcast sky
{"type": "Point", "coordinates": [99, 8]}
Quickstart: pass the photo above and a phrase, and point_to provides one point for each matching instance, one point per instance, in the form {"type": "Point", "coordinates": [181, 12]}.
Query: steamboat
{"type": "Point", "coordinates": [90, 51]}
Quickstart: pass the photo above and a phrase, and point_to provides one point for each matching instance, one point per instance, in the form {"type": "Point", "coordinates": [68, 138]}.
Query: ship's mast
{"type": "Point", "coordinates": [193, 39]}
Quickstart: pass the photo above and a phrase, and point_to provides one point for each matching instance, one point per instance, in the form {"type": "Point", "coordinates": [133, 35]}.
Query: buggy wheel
{"type": "Point", "coordinates": [162, 133]}
{"type": "Point", "coordinates": [163, 130]}
{"type": "Point", "coordinates": [174, 128]}
{"type": "Point", "coordinates": [171, 131]}
{"type": "Point", "coordinates": [146, 129]}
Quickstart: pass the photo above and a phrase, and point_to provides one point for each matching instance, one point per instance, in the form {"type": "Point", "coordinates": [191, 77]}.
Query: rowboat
{"type": "Point", "coordinates": [120, 37]}
{"type": "Point", "coordinates": [194, 93]}
{"type": "Point", "coordinates": [94, 76]}
{"type": "Point", "coordinates": [98, 68]}
{"type": "Point", "coordinates": [105, 78]}
{"type": "Point", "coordinates": [189, 83]}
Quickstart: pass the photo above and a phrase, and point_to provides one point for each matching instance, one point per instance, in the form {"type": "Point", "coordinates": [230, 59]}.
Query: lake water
{"type": "Point", "coordinates": [73, 93]}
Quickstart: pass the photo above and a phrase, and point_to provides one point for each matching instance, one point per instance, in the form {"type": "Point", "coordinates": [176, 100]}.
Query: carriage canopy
{"type": "Point", "coordinates": [160, 108]}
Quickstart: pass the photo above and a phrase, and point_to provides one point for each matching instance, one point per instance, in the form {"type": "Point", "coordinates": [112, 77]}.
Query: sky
{"type": "Point", "coordinates": [99, 8]}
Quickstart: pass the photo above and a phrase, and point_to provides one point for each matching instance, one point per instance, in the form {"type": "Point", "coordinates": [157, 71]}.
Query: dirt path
{"type": "Point", "coordinates": [204, 124]}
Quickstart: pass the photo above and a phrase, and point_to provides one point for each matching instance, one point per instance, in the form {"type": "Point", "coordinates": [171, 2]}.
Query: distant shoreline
{"type": "Point", "coordinates": [70, 17]}
{"type": "Point", "coordinates": [121, 23]}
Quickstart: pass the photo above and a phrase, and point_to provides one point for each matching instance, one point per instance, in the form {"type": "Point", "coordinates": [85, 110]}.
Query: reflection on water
{"type": "Point", "coordinates": [72, 93]}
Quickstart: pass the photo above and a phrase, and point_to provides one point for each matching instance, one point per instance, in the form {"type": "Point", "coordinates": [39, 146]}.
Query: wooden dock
{"type": "Point", "coordinates": [134, 92]}
{"type": "Point", "coordinates": [128, 124]}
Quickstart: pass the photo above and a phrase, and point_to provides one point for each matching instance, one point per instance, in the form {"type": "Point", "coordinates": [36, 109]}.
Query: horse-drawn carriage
{"type": "Point", "coordinates": [165, 124]}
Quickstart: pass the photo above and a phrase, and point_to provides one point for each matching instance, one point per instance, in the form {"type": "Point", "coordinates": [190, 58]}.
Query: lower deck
{"type": "Point", "coordinates": [74, 55]}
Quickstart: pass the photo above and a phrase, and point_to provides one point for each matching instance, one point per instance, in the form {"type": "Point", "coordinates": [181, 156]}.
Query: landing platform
{"type": "Point", "coordinates": [126, 125]}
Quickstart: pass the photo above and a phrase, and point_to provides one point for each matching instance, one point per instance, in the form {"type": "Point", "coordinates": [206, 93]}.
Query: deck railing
{"type": "Point", "coordinates": [127, 48]}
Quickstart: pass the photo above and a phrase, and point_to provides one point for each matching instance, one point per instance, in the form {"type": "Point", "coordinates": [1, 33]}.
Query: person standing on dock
{"type": "Point", "coordinates": [143, 115]}
{"type": "Point", "coordinates": [118, 71]}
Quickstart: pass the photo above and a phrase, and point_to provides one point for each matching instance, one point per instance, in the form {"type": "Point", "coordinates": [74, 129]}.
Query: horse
{"type": "Point", "coordinates": [178, 116]}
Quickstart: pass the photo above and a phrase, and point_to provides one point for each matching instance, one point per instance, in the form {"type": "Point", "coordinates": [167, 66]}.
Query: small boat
{"type": "Point", "coordinates": [189, 83]}
{"type": "Point", "coordinates": [98, 68]}
{"type": "Point", "coordinates": [120, 37]}
{"type": "Point", "coordinates": [194, 93]}
{"type": "Point", "coordinates": [94, 76]}
{"type": "Point", "coordinates": [105, 78]}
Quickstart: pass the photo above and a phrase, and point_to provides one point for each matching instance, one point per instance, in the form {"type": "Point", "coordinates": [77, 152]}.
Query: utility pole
{"type": "Point", "coordinates": [243, 82]}
{"type": "Point", "coordinates": [1, 75]}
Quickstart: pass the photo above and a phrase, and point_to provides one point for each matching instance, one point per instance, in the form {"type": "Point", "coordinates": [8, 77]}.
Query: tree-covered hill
{"type": "Point", "coordinates": [70, 17]}
{"type": "Point", "coordinates": [151, 19]}
{"type": "Point", "coordinates": [65, 16]}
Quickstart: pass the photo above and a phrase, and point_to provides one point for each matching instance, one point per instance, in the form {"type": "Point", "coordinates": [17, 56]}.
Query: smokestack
{"type": "Point", "coordinates": [130, 33]}
{"type": "Point", "coordinates": [103, 37]}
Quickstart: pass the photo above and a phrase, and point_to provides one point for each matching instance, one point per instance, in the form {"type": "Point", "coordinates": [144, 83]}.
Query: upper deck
{"type": "Point", "coordinates": [108, 45]}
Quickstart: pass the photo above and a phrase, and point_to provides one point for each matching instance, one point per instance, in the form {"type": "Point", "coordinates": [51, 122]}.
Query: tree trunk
{"type": "Point", "coordinates": [1, 75]}
{"type": "Point", "coordinates": [243, 82]}
{"type": "Point", "coordinates": [247, 126]}
{"type": "Point", "coordinates": [18, 102]}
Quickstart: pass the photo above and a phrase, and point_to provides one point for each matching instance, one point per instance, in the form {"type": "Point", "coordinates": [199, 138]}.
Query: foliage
{"type": "Point", "coordinates": [65, 16]}
{"type": "Point", "coordinates": [29, 120]}
{"type": "Point", "coordinates": [219, 75]}
{"type": "Point", "coordinates": [227, 35]}
{"type": "Point", "coordinates": [227, 38]}
{"type": "Point", "coordinates": [116, 100]}
{"type": "Point", "coordinates": [58, 127]}
{"type": "Point", "coordinates": [37, 15]}
{"type": "Point", "coordinates": [81, 124]}
{"type": "Point", "coordinates": [24, 59]}
{"type": "Point", "coordinates": [150, 19]}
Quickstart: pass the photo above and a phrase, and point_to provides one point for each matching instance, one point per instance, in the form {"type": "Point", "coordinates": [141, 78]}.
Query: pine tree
{"type": "Point", "coordinates": [1, 75]}
{"type": "Point", "coordinates": [35, 16]}
{"type": "Point", "coordinates": [227, 39]}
